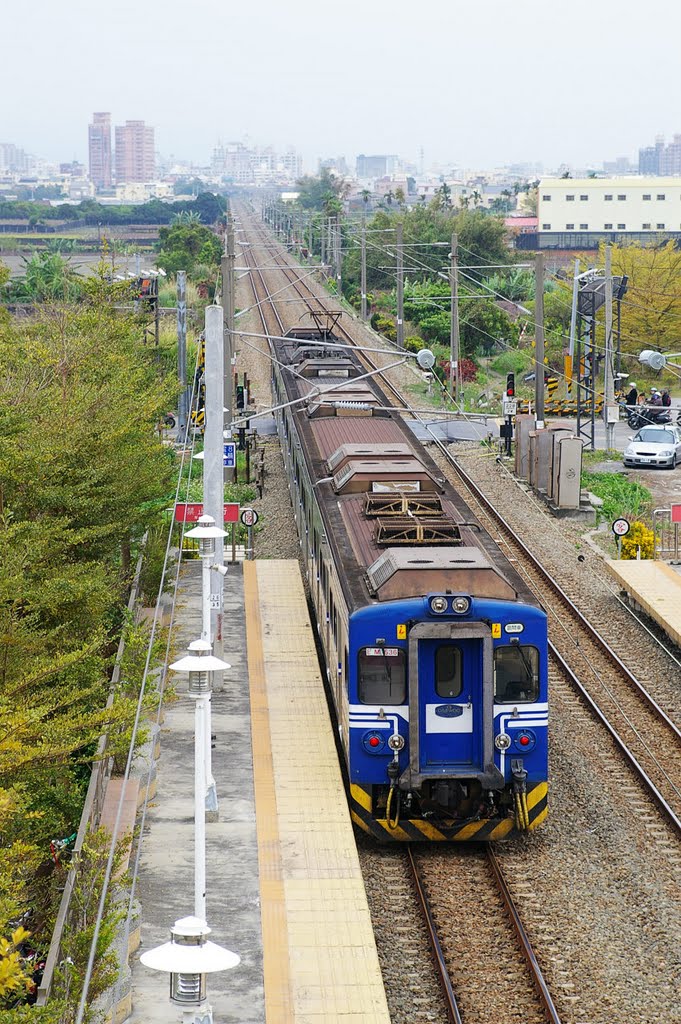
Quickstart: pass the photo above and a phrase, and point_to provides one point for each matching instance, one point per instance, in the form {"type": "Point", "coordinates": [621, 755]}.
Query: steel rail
{"type": "Point", "coordinates": [653, 791]}
{"type": "Point", "coordinates": [436, 947]}
{"type": "Point", "coordinates": [538, 978]}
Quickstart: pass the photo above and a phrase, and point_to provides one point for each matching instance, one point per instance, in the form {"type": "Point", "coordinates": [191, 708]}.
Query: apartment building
{"type": "Point", "coordinates": [135, 157]}
{"type": "Point", "coordinates": [99, 150]}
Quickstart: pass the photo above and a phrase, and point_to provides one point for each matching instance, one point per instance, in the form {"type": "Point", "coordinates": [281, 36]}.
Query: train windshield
{"type": "Point", "coordinates": [516, 674]}
{"type": "Point", "coordinates": [382, 675]}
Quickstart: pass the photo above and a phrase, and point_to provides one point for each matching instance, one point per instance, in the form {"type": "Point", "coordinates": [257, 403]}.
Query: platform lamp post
{"type": "Point", "coordinates": [189, 957]}
{"type": "Point", "coordinates": [206, 532]}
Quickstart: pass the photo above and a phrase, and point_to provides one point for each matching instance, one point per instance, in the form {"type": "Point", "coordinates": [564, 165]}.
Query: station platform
{"type": "Point", "coordinates": [284, 886]}
{"type": "Point", "coordinates": [319, 955]}
{"type": "Point", "coordinates": [655, 588]}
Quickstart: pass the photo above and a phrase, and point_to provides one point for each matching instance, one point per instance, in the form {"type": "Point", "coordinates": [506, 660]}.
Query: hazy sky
{"type": "Point", "coordinates": [476, 84]}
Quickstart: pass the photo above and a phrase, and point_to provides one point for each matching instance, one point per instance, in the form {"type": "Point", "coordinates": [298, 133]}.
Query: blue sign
{"type": "Point", "coordinates": [449, 710]}
{"type": "Point", "coordinates": [229, 455]}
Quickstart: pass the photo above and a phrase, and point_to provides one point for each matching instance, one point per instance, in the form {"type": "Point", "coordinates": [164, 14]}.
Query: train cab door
{"type": "Point", "coordinates": [452, 729]}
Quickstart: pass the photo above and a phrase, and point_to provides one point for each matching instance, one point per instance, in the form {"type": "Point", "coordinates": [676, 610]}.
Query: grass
{"type": "Point", "coordinates": [621, 497]}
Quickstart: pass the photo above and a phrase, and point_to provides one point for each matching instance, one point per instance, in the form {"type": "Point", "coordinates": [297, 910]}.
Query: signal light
{"type": "Point", "coordinates": [374, 741]}
{"type": "Point", "coordinates": [510, 385]}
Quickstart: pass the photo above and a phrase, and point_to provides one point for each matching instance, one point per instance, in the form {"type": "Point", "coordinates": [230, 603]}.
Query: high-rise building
{"type": "Point", "coordinates": [99, 148]}
{"type": "Point", "coordinates": [375, 166]}
{"type": "Point", "coordinates": [135, 159]}
{"type": "Point", "coordinates": [660, 158]}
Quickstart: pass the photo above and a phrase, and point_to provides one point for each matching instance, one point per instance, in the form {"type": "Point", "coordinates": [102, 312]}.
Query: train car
{"type": "Point", "coordinates": [436, 651]}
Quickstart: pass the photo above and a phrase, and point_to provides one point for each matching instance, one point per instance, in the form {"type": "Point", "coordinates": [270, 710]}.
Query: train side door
{"type": "Point", "coordinates": [450, 674]}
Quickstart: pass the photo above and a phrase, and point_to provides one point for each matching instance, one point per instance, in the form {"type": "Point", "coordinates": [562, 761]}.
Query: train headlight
{"type": "Point", "coordinates": [438, 605]}
{"type": "Point", "coordinates": [396, 742]}
{"type": "Point", "coordinates": [461, 605]}
{"type": "Point", "coordinates": [502, 741]}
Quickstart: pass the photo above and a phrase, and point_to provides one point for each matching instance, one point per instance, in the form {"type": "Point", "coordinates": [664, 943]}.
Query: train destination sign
{"type": "Point", "coordinates": [192, 512]}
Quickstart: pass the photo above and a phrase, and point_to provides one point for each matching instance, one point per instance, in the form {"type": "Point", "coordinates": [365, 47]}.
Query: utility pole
{"type": "Point", "coordinates": [228, 299]}
{"type": "Point", "coordinates": [182, 414]}
{"type": "Point", "coordinates": [608, 378]}
{"type": "Point", "coordinates": [363, 281]}
{"type": "Point", "coordinates": [322, 242]}
{"type": "Point", "coordinates": [338, 260]}
{"type": "Point", "coordinates": [400, 285]}
{"type": "Point", "coordinates": [213, 457]}
{"type": "Point", "coordinates": [454, 340]}
{"type": "Point", "coordinates": [539, 339]}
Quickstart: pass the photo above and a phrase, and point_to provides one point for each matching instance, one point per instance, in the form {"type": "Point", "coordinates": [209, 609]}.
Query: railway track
{"type": "Point", "coordinates": [582, 660]}
{"type": "Point", "coordinates": [484, 958]}
{"type": "Point", "coordinates": [494, 973]}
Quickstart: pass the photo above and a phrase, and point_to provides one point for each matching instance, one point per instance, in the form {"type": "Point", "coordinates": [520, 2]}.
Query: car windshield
{"type": "Point", "coordinates": [649, 436]}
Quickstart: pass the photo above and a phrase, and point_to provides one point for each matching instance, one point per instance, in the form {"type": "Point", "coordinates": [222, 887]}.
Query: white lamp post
{"type": "Point", "coordinates": [200, 664]}
{"type": "Point", "coordinates": [207, 533]}
{"type": "Point", "coordinates": [188, 958]}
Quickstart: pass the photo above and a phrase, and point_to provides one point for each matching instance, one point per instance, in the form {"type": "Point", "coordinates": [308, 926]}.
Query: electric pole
{"type": "Point", "coordinates": [608, 378]}
{"type": "Point", "coordinates": [539, 339]}
{"type": "Point", "coordinates": [213, 457]}
{"type": "Point", "coordinates": [454, 340]}
{"type": "Point", "coordinates": [227, 266]}
{"type": "Point", "coordinates": [363, 283]}
{"type": "Point", "coordinates": [400, 286]}
{"type": "Point", "coordinates": [337, 250]}
{"type": "Point", "coordinates": [182, 354]}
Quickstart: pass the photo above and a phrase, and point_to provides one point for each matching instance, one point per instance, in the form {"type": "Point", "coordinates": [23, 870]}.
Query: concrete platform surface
{"type": "Point", "coordinates": [166, 882]}
{"type": "Point", "coordinates": [655, 587]}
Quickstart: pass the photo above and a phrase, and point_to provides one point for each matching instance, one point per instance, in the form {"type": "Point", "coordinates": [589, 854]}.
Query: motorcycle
{"type": "Point", "coordinates": [647, 414]}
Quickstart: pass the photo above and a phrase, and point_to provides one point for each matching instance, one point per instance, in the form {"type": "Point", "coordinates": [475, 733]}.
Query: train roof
{"type": "Point", "coordinates": [397, 526]}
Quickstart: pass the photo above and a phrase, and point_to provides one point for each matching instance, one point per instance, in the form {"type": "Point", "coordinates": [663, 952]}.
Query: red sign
{"type": "Point", "coordinates": [676, 513]}
{"type": "Point", "coordinates": [191, 513]}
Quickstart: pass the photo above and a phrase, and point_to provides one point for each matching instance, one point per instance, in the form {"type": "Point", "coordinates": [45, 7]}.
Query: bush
{"type": "Point", "coordinates": [621, 497]}
{"type": "Point", "coordinates": [414, 344]}
{"type": "Point", "coordinates": [512, 361]}
{"type": "Point", "coordinates": [385, 326]}
{"type": "Point", "coordinates": [640, 537]}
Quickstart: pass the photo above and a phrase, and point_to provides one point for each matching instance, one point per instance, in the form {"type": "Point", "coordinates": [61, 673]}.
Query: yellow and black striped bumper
{"type": "Point", "coordinates": [411, 830]}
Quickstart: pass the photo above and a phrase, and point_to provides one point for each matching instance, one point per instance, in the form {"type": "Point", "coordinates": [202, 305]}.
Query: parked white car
{"type": "Point", "coordinates": [656, 445]}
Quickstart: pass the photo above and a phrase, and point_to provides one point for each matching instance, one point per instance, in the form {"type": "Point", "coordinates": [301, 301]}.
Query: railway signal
{"type": "Point", "coordinates": [509, 408]}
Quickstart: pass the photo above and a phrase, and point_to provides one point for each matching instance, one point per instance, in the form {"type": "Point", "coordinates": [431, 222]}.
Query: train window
{"type": "Point", "coordinates": [448, 674]}
{"type": "Point", "coordinates": [516, 674]}
{"type": "Point", "coordinates": [382, 675]}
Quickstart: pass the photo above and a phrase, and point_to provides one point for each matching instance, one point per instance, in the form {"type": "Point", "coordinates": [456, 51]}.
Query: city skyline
{"type": "Point", "coordinates": [512, 83]}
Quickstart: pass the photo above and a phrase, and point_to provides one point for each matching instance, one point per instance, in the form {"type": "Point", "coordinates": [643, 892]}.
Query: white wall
{"type": "Point", "coordinates": [635, 204]}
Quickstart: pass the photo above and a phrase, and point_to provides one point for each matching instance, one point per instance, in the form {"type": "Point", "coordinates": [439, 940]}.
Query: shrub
{"type": "Point", "coordinates": [512, 361]}
{"type": "Point", "coordinates": [621, 497]}
{"type": "Point", "coordinates": [385, 326]}
{"type": "Point", "coordinates": [639, 537]}
{"type": "Point", "coordinates": [414, 344]}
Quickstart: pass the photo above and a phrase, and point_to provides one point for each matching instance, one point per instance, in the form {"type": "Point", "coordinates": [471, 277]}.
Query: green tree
{"type": "Point", "coordinates": [183, 246]}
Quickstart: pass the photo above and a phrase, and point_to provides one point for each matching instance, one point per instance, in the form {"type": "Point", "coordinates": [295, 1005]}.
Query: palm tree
{"type": "Point", "coordinates": [389, 196]}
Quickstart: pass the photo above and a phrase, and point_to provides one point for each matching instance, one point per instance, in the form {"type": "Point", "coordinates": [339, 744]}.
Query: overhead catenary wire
{"type": "Point", "coordinates": [106, 881]}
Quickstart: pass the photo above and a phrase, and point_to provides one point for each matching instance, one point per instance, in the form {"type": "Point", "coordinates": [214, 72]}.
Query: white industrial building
{"type": "Point", "coordinates": [615, 209]}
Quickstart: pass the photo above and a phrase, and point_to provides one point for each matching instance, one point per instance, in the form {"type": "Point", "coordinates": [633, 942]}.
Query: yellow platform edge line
{"type": "Point", "coordinates": [276, 968]}
{"type": "Point", "coordinates": [328, 918]}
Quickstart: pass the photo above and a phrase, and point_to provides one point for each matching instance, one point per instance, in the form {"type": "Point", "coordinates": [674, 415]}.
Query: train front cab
{"type": "Point", "coordinates": [448, 718]}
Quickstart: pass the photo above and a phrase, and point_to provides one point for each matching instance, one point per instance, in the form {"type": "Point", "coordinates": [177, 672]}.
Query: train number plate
{"type": "Point", "coordinates": [381, 652]}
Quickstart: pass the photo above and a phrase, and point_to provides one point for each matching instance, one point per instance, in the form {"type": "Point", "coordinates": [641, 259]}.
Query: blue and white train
{"type": "Point", "coordinates": [436, 651]}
